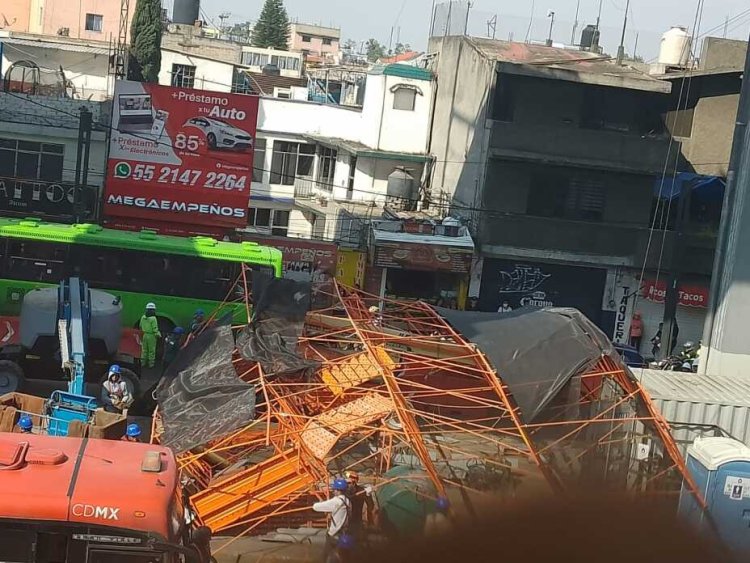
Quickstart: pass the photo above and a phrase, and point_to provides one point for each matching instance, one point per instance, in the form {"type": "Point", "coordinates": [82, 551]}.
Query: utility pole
{"type": "Point", "coordinates": [551, 16]}
{"type": "Point", "coordinates": [491, 28]}
{"type": "Point", "coordinates": [621, 48]}
{"type": "Point", "coordinates": [597, 33]}
{"type": "Point", "coordinates": [575, 24]}
{"type": "Point", "coordinates": [82, 159]}
{"type": "Point", "coordinates": [635, 47]}
{"type": "Point", "coordinates": [726, 25]}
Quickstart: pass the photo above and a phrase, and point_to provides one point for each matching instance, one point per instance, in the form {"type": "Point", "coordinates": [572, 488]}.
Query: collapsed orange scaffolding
{"type": "Point", "coordinates": [398, 385]}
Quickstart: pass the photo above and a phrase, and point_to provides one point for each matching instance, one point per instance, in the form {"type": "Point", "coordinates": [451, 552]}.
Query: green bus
{"type": "Point", "coordinates": [179, 274]}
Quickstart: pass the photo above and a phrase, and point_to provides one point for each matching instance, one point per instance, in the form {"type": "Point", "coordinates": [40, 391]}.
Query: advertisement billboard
{"type": "Point", "coordinates": [303, 260]}
{"type": "Point", "coordinates": [539, 285]}
{"type": "Point", "coordinates": [425, 257]}
{"type": "Point", "coordinates": [688, 295]}
{"type": "Point", "coordinates": [179, 155]}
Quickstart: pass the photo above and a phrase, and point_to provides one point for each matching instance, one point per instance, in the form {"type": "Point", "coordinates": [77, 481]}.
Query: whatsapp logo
{"type": "Point", "coordinates": [122, 170]}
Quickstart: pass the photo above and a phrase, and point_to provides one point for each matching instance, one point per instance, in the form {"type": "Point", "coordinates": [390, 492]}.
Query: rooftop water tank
{"type": "Point", "coordinates": [675, 47]}
{"type": "Point", "coordinates": [589, 37]}
{"type": "Point", "coordinates": [186, 11]}
{"type": "Point", "coordinates": [401, 185]}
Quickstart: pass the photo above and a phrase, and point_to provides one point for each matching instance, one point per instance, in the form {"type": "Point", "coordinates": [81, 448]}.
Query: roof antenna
{"type": "Point", "coordinates": [531, 22]}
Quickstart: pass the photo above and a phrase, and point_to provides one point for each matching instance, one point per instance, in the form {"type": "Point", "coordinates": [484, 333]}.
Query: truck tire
{"type": "Point", "coordinates": [130, 379]}
{"type": "Point", "coordinates": [11, 377]}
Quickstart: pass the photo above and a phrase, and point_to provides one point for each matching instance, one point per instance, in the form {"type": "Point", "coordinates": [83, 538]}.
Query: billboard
{"type": "Point", "coordinates": [179, 155]}
{"type": "Point", "coordinates": [688, 295]}
{"type": "Point", "coordinates": [303, 260]}
{"type": "Point", "coordinates": [538, 285]}
{"type": "Point", "coordinates": [425, 257]}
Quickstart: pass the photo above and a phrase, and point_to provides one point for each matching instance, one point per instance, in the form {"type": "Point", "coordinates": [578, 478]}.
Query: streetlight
{"type": "Point", "coordinates": [551, 16]}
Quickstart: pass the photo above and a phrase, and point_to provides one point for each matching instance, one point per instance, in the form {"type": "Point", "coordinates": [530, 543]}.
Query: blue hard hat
{"type": "Point", "coordinates": [199, 313]}
{"type": "Point", "coordinates": [114, 368]}
{"type": "Point", "coordinates": [346, 541]}
{"type": "Point", "coordinates": [178, 330]}
{"type": "Point", "coordinates": [133, 430]}
{"type": "Point", "coordinates": [442, 504]}
{"type": "Point", "coordinates": [340, 484]}
{"type": "Point", "coordinates": [25, 423]}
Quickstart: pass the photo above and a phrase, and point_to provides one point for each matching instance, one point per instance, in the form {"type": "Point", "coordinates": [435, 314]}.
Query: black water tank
{"type": "Point", "coordinates": [589, 37]}
{"type": "Point", "coordinates": [186, 11]}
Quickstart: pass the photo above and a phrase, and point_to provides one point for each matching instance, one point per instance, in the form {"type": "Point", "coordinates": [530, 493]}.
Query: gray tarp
{"type": "Point", "coordinates": [535, 351]}
{"type": "Point", "coordinates": [200, 396]}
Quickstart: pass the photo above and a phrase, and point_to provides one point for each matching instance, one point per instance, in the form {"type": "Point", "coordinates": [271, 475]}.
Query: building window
{"type": "Point", "coordinates": [283, 93]}
{"type": "Point", "coordinates": [504, 102]}
{"type": "Point", "coordinates": [183, 76]}
{"type": "Point", "coordinates": [285, 63]}
{"type": "Point", "coordinates": [94, 22]}
{"type": "Point", "coordinates": [556, 195]}
{"type": "Point", "coordinates": [30, 160]}
{"type": "Point", "coordinates": [306, 39]}
{"type": "Point", "coordinates": [290, 161]}
{"type": "Point", "coordinates": [259, 160]}
{"type": "Point", "coordinates": [327, 41]}
{"type": "Point", "coordinates": [326, 168]}
{"type": "Point", "coordinates": [280, 223]}
{"type": "Point", "coordinates": [259, 217]}
{"type": "Point", "coordinates": [404, 99]}
{"type": "Point", "coordinates": [255, 59]}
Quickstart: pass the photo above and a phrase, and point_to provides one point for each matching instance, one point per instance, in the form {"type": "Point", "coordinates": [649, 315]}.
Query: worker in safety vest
{"type": "Point", "coordinates": [116, 396]}
{"type": "Point", "coordinates": [172, 344]}
{"type": "Point", "coordinates": [198, 320]}
{"type": "Point", "coordinates": [25, 424]}
{"type": "Point", "coordinates": [132, 433]}
{"type": "Point", "coordinates": [150, 334]}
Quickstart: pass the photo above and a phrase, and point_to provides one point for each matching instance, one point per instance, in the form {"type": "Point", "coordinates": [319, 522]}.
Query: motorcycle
{"type": "Point", "coordinates": [685, 361]}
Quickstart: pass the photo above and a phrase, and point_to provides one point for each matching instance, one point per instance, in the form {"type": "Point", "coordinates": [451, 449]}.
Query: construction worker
{"type": "Point", "coordinates": [25, 424]}
{"type": "Point", "coordinates": [132, 433]}
{"type": "Point", "coordinates": [198, 320]}
{"type": "Point", "coordinates": [149, 326]}
{"type": "Point", "coordinates": [115, 394]}
{"type": "Point", "coordinates": [359, 497]}
{"type": "Point", "coordinates": [172, 344]}
{"type": "Point", "coordinates": [339, 507]}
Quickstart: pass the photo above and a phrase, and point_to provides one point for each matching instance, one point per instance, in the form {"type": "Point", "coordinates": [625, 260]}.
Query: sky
{"type": "Point", "coordinates": [410, 19]}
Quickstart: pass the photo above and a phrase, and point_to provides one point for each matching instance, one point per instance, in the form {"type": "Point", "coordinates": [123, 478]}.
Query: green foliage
{"type": "Point", "coordinates": [272, 29]}
{"type": "Point", "coordinates": [144, 60]}
{"type": "Point", "coordinates": [374, 50]}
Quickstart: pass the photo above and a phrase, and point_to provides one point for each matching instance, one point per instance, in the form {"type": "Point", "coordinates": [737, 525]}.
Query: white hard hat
{"type": "Point", "coordinates": [151, 305]}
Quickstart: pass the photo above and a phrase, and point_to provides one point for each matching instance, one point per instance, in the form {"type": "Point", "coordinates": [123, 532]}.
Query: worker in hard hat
{"type": "Point", "coordinates": [339, 507]}
{"type": "Point", "coordinates": [149, 326]}
{"type": "Point", "coordinates": [360, 498]}
{"type": "Point", "coordinates": [199, 318]}
{"type": "Point", "coordinates": [438, 522]}
{"type": "Point", "coordinates": [172, 344]}
{"type": "Point", "coordinates": [116, 396]}
{"type": "Point", "coordinates": [25, 424]}
{"type": "Point", "coordinates": [132, 433]}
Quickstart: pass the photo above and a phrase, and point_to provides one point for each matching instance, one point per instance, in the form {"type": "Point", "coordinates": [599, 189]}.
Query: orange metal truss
{"type": "Point", "coordinates": [396, 385]}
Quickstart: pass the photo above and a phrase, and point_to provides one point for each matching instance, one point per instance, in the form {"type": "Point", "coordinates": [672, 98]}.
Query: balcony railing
{"type": "Point", "coordinates": [307, 188]}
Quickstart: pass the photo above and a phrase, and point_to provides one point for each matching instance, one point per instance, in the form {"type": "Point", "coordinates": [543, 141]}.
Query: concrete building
{"type": "Point", "coordinates": [87, 19]}
{"type": "Point", "coordinates": [56, 65]}
{"type": "Point", "coordinates": [554, 157]}
{"type": "Point", "coordinates": [289, 64]}
{"type": "Point", "coordinates": [317, 43]}
{"type": "Point", "coordinates": [38, 149]}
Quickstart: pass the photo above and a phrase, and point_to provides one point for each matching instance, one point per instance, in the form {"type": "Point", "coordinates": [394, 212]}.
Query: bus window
{"type": "Point", "coordinates": [37, 261]}
{"type": "Point", "coordinates": [16, 545]}
{"type": "Point", "coordinates": [122, 556]}
{"type": "Point", "coordinates": [213, 279]}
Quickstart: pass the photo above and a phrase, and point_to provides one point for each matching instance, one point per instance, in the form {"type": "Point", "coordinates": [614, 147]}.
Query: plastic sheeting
{"type": "Point", "coordinates": [200, 395]}
{"type": "Point", "coordinates": [278, 320]}
{"type": "Point", "coordinates": [535, 351]}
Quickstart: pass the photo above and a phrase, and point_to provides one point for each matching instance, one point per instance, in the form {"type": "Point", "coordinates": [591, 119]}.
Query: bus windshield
{"type": "Point", "coordinates": [180, 275]}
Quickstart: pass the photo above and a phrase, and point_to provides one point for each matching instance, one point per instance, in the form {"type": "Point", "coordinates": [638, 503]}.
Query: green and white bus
{"type": "Point", "coordinates": [179, 274]}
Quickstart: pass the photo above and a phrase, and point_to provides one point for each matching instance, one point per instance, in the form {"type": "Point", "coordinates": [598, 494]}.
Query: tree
{"type": "Point", "coordinates": [144, 60]}
{"type": "Point", "coordinates": [401, 48]}
{"type": "Point", "coordinates": [272, 29]}
{"type": "Point", "coordinates": [374, 50]}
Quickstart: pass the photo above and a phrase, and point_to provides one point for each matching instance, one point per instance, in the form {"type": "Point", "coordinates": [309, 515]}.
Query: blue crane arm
{"type": "Point", "coordinates": [75, 311]}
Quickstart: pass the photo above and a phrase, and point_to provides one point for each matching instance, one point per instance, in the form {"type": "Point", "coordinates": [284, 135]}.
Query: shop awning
{"type": "Point", "coordinates": [363, 151]}
{"type": "Point", "coordinates": [461, 241]}
{"type": "Point", "coordinates": [703, 187]}
{"type": "Point", "coordinates": [434, 253]}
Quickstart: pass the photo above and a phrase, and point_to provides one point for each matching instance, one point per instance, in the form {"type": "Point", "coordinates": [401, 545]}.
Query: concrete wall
{"type": "Point", "coordinates": [57, 14]}
{"type": "Point", "coordinates": [187, 39]}
{"type": "Point", "coordinates": [717, 52]}
{"type": "Point", "coordinates": [315, 45]}
{"type": "Point", "coordinates": [209, 74]}
{"type": "Point", "coordinates": [459, 138]}
{"type": "Point", "coordinates": [295, 117]}
{"type": "Point", "coordinates": [18, 13]}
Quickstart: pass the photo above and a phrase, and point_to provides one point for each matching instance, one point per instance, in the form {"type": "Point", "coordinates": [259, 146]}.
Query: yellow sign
{"type": "Point", "coordinates": [350, 269]}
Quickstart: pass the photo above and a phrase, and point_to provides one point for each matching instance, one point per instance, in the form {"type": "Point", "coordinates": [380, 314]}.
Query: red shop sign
{"type": "Point", "coordinates": [689, 295]}
{"type": "Point", "coordinates": [180, 155]}
{"type": "Point", "coordinates": [303, 259]}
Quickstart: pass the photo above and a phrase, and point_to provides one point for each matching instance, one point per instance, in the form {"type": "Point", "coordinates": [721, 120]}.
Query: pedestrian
{"type": "Point", "coordinates": [172, 344]}
{"type": "Point", "coordinates": [360, 498]}
{"type": "Point", "coordinates": [115, 394]}
{"type": "Point", "coordinates": [656, 341]}
{"type": "Point", "coordinates": [149, 326]}
{"type": "Point", "coordinates": [198, 320]}
{"type": "Point", "coordinates": [437, 522]}
{"type": "Point", "coordinates": [636, 331]}
{"type": "Point", "coordinates": [25, 424]}
{"type": "Point", "coordinates": [339, 507]}
{"type": "Point", "coordinates": [132, 433]}
{"type": "Point", "coordinates": [505, 308]}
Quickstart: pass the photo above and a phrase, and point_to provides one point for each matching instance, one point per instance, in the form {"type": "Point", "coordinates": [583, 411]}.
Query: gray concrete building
{"type": "Point", "coordinates": [554, 158]}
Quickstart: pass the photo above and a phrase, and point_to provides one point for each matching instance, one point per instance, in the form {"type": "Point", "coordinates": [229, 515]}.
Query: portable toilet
{"type": "Point", "coordinates": [720, 468]}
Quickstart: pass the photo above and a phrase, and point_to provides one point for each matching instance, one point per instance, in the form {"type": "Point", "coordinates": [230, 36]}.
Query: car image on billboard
{"type": "Point", "coordinates": [221, 135]}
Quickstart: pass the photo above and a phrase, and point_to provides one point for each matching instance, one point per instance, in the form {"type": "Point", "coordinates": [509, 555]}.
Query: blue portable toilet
{"type": "Point", "coordinates": [720, 468]}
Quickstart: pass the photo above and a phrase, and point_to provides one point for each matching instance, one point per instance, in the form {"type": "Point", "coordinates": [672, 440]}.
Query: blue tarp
{"type": "Point", "coordinates": [704, 187]}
